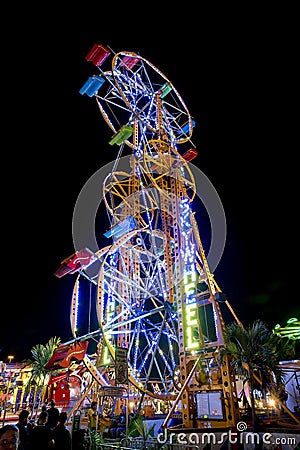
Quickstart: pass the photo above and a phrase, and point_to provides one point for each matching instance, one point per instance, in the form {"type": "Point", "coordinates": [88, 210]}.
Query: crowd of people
{"type": "Point", "coordinates": [48, 432]}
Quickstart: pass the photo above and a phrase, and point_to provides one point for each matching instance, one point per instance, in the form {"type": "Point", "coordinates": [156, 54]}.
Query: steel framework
{"type": "Point", "coordinates": [155, 294]}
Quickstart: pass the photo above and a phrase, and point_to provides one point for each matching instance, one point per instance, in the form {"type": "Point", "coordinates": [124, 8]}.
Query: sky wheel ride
{"type": "Point", "coordinates": [155, 295]}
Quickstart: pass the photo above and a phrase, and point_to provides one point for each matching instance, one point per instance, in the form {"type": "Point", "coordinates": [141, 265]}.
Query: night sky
{"type": "Point", "coordinates": [238, 80]}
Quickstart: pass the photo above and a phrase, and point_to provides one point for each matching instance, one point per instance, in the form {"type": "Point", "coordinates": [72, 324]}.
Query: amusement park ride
{"type": "Point", "coordinates": [156, 302]}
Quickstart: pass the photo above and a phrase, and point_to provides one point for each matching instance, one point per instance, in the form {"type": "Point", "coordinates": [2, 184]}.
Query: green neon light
{"type": "Point", "coordinates": [106, 358]}
{"type": "Point", "coordinates": [191, 326]}
{"type": "Point", "coordinates": [290, 331]}
{"type": "Point", "coordinates": [190, 283]}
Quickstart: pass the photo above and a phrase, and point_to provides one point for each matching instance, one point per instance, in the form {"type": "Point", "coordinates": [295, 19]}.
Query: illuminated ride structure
{"type": "Point", "coordinates": [155, 295]}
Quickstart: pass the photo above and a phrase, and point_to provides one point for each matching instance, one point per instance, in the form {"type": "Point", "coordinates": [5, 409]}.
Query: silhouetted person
{"type": "Point", "coordinates": [24, 430]}
{"type": "Point", "coordinates": [61, 435]}
{"type": "Point", "coordinates": [41, 436]}
{"type": "Point", "coordinates": [53, 415]}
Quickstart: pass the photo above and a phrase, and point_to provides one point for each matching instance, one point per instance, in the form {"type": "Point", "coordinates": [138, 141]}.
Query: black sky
{"type": "Point", "coordinates": [238, 79]}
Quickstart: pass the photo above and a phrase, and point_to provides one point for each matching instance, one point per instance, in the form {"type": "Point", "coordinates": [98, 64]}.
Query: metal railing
{"type": "Point", "coordinates": [149, 444]}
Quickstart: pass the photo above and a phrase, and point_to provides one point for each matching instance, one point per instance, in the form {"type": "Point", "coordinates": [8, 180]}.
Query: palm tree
{"type": "Point", "coordinates": [96, 440]}
{"type": "Point", "coordinates": [138, 428]}
{"type": "Point", "coordinates": [255, 354]}
{"type": "Point", "coordinates": [40, 375]}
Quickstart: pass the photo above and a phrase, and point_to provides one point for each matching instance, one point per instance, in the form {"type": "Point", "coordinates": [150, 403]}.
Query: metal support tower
{"type": "Point", "coordinates": [155, 293]}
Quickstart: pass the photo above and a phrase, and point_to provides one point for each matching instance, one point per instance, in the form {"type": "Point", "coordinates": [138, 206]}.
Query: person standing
{"type": "Point", "coordinates": [22, 424]}
{"type": "Point", "coordinates": [61, 435]}
{"type": "Point", "coordinates": [92, 416]}
{"type": "Point", "coordinates": [53, 415]}
{"type": "Point", "coordinates": [41, 436]}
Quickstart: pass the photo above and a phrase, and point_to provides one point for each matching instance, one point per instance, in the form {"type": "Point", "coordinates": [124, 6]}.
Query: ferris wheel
{"type": "Point", "coordinates": [138, 274]}
{"type": "Point", "coordinates": [134, 311]}
{"type": "Point", "coordinates": [128, 94]}
{"type": "Point", "coordinates": [135, 299]}
{"type": "Point", "coordinates": [153, 293]}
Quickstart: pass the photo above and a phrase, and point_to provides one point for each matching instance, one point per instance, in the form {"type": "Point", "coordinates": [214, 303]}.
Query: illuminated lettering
{"type": "Point", "coordinates": [191, 326]}
{"type": "Point", "coordinates": [106, 357]}
{"type": "Point", "coordinates": [190, 283]}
